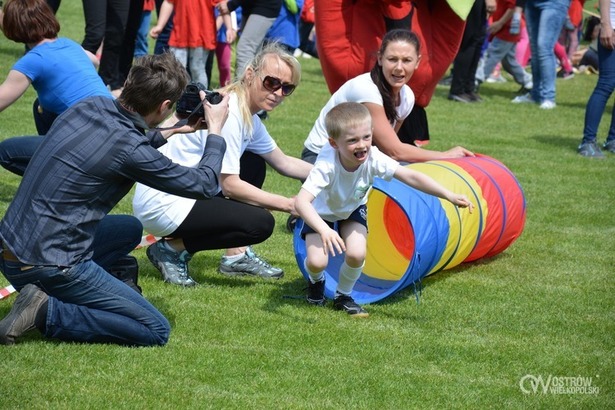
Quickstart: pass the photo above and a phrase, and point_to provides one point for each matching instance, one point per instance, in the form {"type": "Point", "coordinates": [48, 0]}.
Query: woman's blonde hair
{"type": "Point", "coordinates": [240, 85]}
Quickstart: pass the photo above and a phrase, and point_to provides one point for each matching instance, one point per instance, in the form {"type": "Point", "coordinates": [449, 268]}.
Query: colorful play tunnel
{"type": "Point", "coordinates": [412, 234]}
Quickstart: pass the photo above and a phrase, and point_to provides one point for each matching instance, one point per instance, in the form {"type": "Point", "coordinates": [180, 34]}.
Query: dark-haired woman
{"type": "Point", "coordinates": [385, 93]}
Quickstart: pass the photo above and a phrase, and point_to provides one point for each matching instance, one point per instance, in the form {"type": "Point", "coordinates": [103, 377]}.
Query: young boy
{"type": "Point", "coordinates": [336, 190]}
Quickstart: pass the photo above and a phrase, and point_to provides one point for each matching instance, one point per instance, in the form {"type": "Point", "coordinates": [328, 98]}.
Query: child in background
{"type": "Point", "coordinates": [223, 45]}
{"type": "Point", "coordinates": [502, 46]}
{"type": "Point", "coordinates": [285, 28]}
{"type": "Point", "coordinates": [336, 191]}
{"type": "Point", "coordinates": [194, 33]}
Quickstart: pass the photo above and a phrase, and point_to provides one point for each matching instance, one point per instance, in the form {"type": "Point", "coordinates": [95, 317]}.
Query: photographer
{"type": "Point", "coordinates": [85, 165]}
{"type": "Point", "coordinates": [239, 215]}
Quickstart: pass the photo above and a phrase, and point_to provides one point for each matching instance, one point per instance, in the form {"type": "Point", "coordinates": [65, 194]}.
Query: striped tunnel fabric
{"type": "Point", "coordinates": [412, 234]}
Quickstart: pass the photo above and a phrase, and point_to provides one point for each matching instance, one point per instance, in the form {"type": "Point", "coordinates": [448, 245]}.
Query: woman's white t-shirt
{"type": "Point", "coordinates": [360, 89]}
{"type": "Point", "coordinates": [162, 213]}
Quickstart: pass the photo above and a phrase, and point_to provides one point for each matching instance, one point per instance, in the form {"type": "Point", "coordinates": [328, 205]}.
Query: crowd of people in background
{"type": "Point", "coordinates": [546, 35]}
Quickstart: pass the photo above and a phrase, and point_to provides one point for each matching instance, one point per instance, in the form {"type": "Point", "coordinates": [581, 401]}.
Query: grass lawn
{"type": "Point", "coordinates": [544, 307]}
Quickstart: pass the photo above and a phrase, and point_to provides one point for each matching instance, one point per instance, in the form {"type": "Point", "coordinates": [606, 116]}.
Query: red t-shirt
{"type": "Point", "coordinates": [194, 24]}
{"type": "Point", "coordinates": [504, 33]}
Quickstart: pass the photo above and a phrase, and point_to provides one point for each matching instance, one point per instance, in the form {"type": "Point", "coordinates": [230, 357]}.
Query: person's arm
{"type": "Point", "coordinates": [92, 58]}
{"type": "Point", "coordinates": [149, 167]}
{"type": "Point", "coordinates": [424, 183]}
{"type": "Point", "coordinates": [231, 34]}
{"type": "Point", "coordinates": [490, 6]}
{"type": "Point", "coordinates": [12, 88]}
{"type": "Point", "coordinates": [331, 240]}
{"type": "Point", "coordinates": [228, 6]}
{"type": "Point", "coordinates": [387, 141]}
{"type": "Point", "coordinates": [166, 9]}
{"type": "Point", "coordinates": [607, 39]}
{"type": "Point", "coordinates": [499, 25]}
{"type": "Point", "coordinates": [235, 188]}
{"type": "Point", "coordinates": [286, 165]}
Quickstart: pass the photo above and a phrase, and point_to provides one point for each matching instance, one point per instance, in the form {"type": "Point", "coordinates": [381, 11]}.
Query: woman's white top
{"type": "Point", "coordinates": [162, 213]}
{"type": "Point", "coordinates": [360, 89]}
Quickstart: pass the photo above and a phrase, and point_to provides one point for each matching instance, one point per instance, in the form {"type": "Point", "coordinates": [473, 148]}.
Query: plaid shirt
{"type": "Point", "coordinates": [86, 164]}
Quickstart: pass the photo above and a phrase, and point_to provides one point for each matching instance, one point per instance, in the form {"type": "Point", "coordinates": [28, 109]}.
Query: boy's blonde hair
{"type": "Point", "coordinates": [343, 116]}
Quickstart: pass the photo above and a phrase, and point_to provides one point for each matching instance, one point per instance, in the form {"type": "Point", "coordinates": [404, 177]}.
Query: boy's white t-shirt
{"type": "Point", "coordinates": [360, 89]}
{"type": "Point", "coordinates": [161, 213]}
{"type": "Point", "coordinates": [338, 192]}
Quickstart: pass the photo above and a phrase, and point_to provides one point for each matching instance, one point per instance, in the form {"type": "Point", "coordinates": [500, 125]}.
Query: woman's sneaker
{"type": "Point", "coordinates": [547, 105]}
{"type": "Point", "coordinates": [250, 264]}
{"type": "Point", "coordinates": [609, 146]}
{"type": "Point", "coordinates": [172, 264]}
{"type": "Point", "coordinates": [348, 305]}
{"type": "Point", "coordinates": [590, 150]}
{"type": "Point", "coordinates": [523, 99]}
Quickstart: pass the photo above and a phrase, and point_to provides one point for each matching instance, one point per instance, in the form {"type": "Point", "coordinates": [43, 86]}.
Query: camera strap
{"type": "Point", "coordinates": [180, 123]}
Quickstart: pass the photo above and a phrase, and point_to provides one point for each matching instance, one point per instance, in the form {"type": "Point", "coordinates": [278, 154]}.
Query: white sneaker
{"type": "Point", "coordinates": [547, 105]}
{"type": "Point", "coordinates": [523, 99]}
{"type": "Point", "coordinates": [297, 53]}
{"type": "Point", "coordinates": [496, 79]}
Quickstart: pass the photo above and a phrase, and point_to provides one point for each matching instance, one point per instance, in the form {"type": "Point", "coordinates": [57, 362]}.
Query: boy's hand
{"type": "Point", "coordinates": [461, 201]}
{"type": "Point", "coordinates": [332, 242]}
{"type": "Point", "coordinates": [155, 32]}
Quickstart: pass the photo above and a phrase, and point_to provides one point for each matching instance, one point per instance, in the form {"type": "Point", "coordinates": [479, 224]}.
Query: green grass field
{"type": "Point", "coordinates": [544, 307]}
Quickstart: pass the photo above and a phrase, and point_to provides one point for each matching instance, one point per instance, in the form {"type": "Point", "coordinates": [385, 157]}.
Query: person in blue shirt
{"type": "Point", "coordinates": [285, 28]}
{"type": "Point", "coordinates": [59, 69]}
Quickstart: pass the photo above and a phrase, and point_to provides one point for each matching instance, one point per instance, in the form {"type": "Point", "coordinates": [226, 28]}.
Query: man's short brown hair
{"type": "Point", "coordinates": [152, 80]}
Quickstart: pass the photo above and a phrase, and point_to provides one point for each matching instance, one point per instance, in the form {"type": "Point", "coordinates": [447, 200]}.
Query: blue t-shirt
{"type": "Point", "coordinates": [61, 73]}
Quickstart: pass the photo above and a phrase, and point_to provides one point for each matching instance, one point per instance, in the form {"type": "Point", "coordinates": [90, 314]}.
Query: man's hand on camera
{"type": "Point", "coordinates": [215, 114]}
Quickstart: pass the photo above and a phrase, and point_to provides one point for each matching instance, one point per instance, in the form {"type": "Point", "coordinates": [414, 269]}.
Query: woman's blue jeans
{"type": "Point", "coordinates": [16, 152]}
{"type": "Point", "coordinates": [545, 19]}
{"type": "Point", "coordinates": [600, 96]}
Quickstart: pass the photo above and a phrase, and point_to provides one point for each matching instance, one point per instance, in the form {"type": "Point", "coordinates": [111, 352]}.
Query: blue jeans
{"type": "Point", "coordinates": [601, 94]}
{"type": "Point", "coordinates": [141, 42]}
{"type": "Point", "coordinates": [87, 304]}
{"type": "Point", "coordinates": [16, 152]}
{"type": "Point", "coordinates": [195, 58]}
{"type": "Point", "coordinates": [545, 19]}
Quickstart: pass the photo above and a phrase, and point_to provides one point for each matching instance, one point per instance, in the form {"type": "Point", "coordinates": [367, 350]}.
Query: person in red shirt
{"type": "Point", "coordinates": [502, 46]}
{"type": "Point", "coordinates": [194, 33]}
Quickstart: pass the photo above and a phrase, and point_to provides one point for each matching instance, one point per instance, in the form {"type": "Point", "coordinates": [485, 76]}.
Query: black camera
{"type": "Point", "coordinates": [191, 101]}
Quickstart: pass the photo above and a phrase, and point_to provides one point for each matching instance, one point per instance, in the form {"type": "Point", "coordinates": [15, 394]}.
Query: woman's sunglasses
{"type": "Point", "coordinates": [274, 84]}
